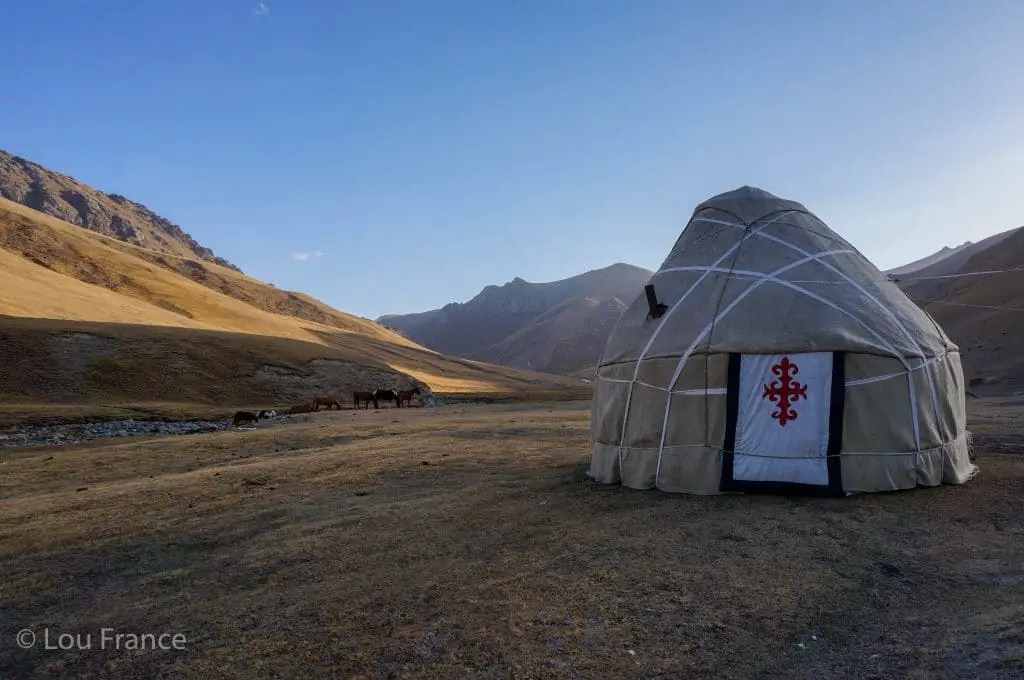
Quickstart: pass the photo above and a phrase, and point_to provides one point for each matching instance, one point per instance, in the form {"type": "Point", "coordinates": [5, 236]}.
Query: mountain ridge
{"type": "Point", "coordinates": [953, 261]}
{"type": "Point", "coordinates": [555, 326]}
{"type": "Point", "coordinates": [66, 198]}
{"type": "Point", "coordinates": [929, 260]}
{"type": "Point", "coordinates": [981, 313]}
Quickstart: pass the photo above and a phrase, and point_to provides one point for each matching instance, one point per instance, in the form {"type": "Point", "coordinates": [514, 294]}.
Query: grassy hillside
{"type": "Point", "coordinates": [90, 319]}
{"type": "Point", "coordinates": [201, 291]}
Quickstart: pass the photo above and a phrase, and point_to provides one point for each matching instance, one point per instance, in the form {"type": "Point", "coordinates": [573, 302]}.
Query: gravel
{"type": "Point", "coordinates": [76, 433]}
{"type": "Point", "coordinates": [67, 434]}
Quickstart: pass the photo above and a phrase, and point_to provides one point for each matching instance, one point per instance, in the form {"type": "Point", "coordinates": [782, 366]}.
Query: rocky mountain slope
{"type": "Point", "coordinates": [984, 313]}
{"type": "Point", "coordinates": [555, 327]}
{"type": "Point", "coordinates": [65, 198]}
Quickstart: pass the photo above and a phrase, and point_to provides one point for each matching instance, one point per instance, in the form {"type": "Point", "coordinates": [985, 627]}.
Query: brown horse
{"type": "Point", "coordinates": [366, 397]}
{"type": "Point", "coordinates": [301, 408]}
{"type": "Point", "coordinates": [325, 401]}
{"type": "Point", "coordinates": [243, 417]}
{"type": "Point", "coordinates": [406, 395]}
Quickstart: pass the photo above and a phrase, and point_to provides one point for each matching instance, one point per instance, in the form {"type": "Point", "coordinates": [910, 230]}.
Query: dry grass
{"type": "Point", "coordinates": [136, 285]}
{"type": "Point", "coordinates": [97, 367]}
{"type": "Point", "coordinates": [32, 291]}
{"type": "Point", "coordinates": [87, 319]}
{"type": "Point", "coordinates": [464, 542]}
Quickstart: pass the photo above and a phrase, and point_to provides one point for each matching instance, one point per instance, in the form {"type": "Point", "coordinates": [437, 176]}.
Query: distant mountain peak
{"type": "Point", "coordinates": [946, 249]}
{"type": "Point", "coordinates": [949, 257]}
{"type": "Point", "coordinates": [556, 326]}
{"type": "Point", "coordinates": [622, 265]}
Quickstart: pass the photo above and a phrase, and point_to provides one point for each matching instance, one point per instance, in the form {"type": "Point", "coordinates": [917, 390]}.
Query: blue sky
{"type": "Point", "coordinates": [427, 149]}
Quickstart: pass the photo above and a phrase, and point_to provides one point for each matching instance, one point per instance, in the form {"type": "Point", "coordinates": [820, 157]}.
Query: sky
{"type": "Point", "coordinates": [391, 157]}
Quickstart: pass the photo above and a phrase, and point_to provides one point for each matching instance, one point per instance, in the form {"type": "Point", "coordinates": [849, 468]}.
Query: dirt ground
{"type": "Point", "coordinates": [465, 542]}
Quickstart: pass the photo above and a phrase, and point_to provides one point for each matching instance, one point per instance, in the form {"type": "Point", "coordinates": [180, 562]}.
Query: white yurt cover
{"type": "Point", "coordinates": [777, 358]}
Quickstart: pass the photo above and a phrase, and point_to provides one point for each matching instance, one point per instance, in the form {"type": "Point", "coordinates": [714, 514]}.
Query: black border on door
{"type": "Point", "coordinates": [835, 438]}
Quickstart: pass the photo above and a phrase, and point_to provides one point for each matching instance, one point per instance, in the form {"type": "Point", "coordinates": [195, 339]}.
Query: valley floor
{"type": "Point", "coordinates": [464, 541]}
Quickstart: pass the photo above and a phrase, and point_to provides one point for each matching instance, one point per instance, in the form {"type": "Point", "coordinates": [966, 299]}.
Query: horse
{"type": "Point", "coordinates": [387, 395]}
{"type": "Point", "coordinates": [242, 417]}
{"type": "Point", "coordinates": [301, 408]}
{"type": "Point", "coordinates": [406, 395]}
{"type": "Point", "coordinates": [266, 415]}
{"type": "Point", "coordinates": [366, 397]}
{"type": "Point", "coordinates": [325, 401]}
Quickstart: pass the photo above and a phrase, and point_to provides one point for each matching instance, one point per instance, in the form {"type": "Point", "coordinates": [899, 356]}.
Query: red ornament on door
{"type": "Point", "coordinates": [785, 391]}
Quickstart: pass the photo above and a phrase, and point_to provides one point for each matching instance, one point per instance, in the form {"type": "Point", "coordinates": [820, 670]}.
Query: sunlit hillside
{"type": "Point", "coordinates": [82, 309]}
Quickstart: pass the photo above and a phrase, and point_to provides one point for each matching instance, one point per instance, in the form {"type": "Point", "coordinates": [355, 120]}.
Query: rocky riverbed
{"type": "Point", "coordinates": [66, 434]}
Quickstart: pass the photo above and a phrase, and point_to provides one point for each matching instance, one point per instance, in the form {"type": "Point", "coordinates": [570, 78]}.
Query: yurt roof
{"type": "Point", "coordinates": [756, 273]}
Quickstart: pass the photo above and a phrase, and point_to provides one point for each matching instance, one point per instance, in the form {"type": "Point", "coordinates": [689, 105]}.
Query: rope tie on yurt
{"type": "Point", "coordinates": [684, 358]}
{"type": "Point", "coordinates": [711, 333]}
{"type": "Point", "coordinates": [731, 273]}
{"type": "Point", "coordinates": [771, 276]}
{"type": "Point", "coordinates": [663, 319]}
{"type": "Point", "coordinates": [847, 279]}
{"type": "Point", "coordinates": [898, 279]}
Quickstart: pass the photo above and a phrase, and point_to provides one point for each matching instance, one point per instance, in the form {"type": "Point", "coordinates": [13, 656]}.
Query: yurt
{"type": "Point", "coordinates": [768, 354]}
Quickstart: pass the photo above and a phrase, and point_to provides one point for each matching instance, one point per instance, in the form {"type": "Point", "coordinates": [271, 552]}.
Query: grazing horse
{"type": "Point", "coordinates": [325, 401]}
{"type": "Point", "coordinates": [366, 397]}
{"type": "Point", "coordinates": [242, 417]}
{"type": "Point", "coordinates": [386, 395]}
{"type": "Point", "coordinates": [266, 415]}
{"type": "Point", "coordinates": [406, 395]}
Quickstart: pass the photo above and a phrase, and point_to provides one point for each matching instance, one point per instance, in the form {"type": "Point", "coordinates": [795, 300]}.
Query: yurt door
{"type": "Point", "coordinates": [784, 418]}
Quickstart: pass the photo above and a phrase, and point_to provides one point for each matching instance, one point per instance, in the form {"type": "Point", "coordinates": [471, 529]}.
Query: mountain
{"type": "Point", "coordinates": [91, 320]}
{"type": "Point", "coordinates": [934, 258]}
{"type": "Point", "coordinates": [67, 199]}
{"type": "Point", "coordinates": [953, 262]}
{"type": "Point", "coordinates": [983, 313]}
{"type": "Point", "coordinates": [555, 327]}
